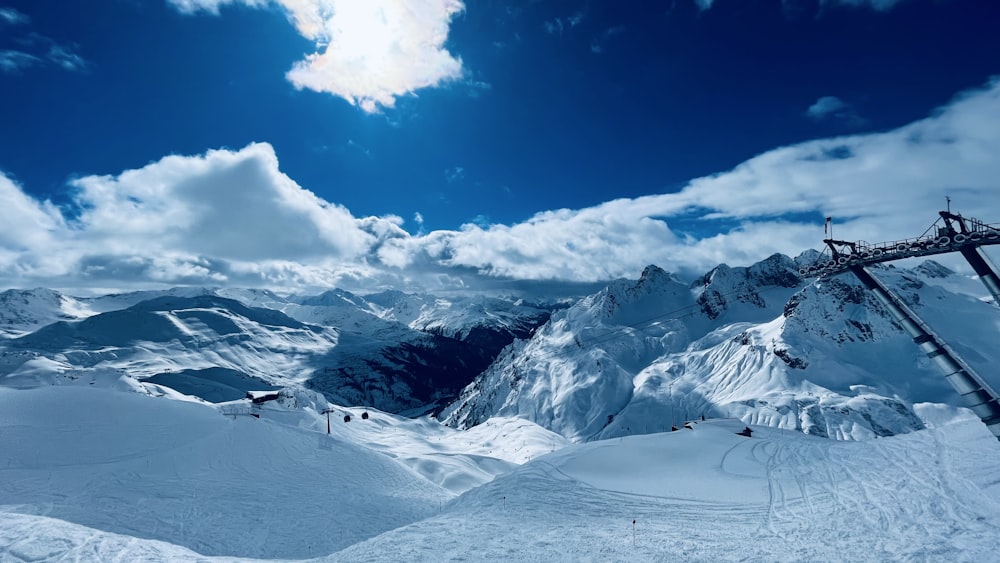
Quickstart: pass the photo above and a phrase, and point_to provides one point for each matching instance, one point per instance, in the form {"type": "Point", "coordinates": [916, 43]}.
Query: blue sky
{"type": "Point", "coordinates": [442, 144]}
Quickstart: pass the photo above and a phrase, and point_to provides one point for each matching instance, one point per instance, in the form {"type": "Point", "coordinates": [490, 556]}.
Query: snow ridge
{"type": "Point", "coordinates": [758, 344]}
{"type": "Point", "coordinates": [210, 343]}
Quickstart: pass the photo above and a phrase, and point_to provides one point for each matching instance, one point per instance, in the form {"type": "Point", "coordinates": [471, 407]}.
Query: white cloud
{"type": "Point", "coordinates": [597, 44]}
{"type": "Point", "coordinates": [233, 217]}
{"type": "Point", "coordinates": [198, 219]}
{"type": "Point", "coordinates": [36, 49]}
{"type": "Point", "coordinates": [832, 108]}
{"type": "Point", "coordinates": [477, 87]}
{"type": "Point", "coordinates": [559, 25]}
{"type": "Point", "coordinates": [16, 61]}
{"type": "Point", "coordinates": [452, 175]}
{"type": "Point", "coordinates": [868, 174]}
{"type": "Point", "coordinates": [27, 224]}
{"type": "Point", "coordinates": [31, 232]}
{"type": "Point", "coordinates": [880, 186]}
{"type": "Point", "coordinates": [825, 106]}
{"type": "Point", "coordinates": [369, 52]}
{"type": "Point", "coordinates": [212, 6]}
{"type": "Point", "coordinates": [600, 242]}
{"type": "Point", "coordinates": [66, 58]}
{"type": "Point", "coordinates": [11, 16]}
{"type": "Point", "coordinates": [367, 152]}
{"type": "Point", "coordinates": [225, 204]}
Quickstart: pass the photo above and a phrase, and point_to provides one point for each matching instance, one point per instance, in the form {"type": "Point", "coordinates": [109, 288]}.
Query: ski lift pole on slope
{"type": "Point", "coordinates": [327, 412]}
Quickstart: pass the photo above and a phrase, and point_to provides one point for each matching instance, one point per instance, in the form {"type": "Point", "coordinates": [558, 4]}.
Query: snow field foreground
{"type": "Point", "coordinates": [183, 473]}
{"type": "Point", "coordinates": [708, 494]}
{"type": "Point", "coordinates": [97, 474]}
{"type": "Point", "coordinates": [87, 470]}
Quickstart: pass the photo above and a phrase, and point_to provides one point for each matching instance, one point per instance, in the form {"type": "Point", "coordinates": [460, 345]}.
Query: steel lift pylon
{"type": "Point", "coordinates": [956, 234]}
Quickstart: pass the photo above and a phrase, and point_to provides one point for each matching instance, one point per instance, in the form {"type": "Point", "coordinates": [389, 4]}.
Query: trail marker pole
{"type": "Point", "coordinates": [505, 502]}
{"type": "Point", "coordinates": [633, 532]}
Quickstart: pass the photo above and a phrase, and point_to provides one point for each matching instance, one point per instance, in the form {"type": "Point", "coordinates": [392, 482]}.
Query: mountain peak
{"type": "Point", "coordinates": [775, 270]}
{"type": "Point", "coordinates": [754, 343]}
{"type": "Point", "coordinates": [24, 310]}
{"type": "Point", "coordinates": [933, 269]}
{"type": "Point", "coordinates": [653, 273]}
{"type": "Point", "coordinates": [336, 298]}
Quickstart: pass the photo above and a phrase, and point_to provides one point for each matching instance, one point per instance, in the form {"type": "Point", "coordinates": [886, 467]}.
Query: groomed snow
{"type": "Point", "coordinates": [708, 494]}
{"type": "Point", "coordinates": [184, 473]}
{"type": "Point", "coordinates": [100, 473]}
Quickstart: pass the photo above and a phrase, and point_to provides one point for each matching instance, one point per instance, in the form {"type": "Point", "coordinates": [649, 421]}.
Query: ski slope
{"type": "Point", "coordinates": [274, 485]}
{"type": "Point", "coordinates": [99, 472]}
{"type": "Point", "coordinates": [182, 472]}
{"type": "Point", "coordinates": [709, 495]}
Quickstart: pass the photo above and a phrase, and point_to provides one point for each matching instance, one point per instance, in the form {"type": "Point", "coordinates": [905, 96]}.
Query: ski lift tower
{"type": "Point", "coordinates": [951, 233]}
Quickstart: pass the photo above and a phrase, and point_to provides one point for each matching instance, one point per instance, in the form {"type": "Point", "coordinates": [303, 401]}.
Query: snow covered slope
{"type": "Point", "coordinates": [757, 343]}
{"type": "Point", "coordinates": [411, 352]}
{"type": "Point", "coordinates": [22, 311]}
{"type": "Point", "coordinates": [217, 343]}
{"type": "Point", "coordinates": [157, 480]}
{"type": "Point", "coordinates": [184, 473]}
{"type": "Point", "coordinates": [708, 494]}
{"type": "Point", "coordinates": [233, 479]}
{"type": "Point", "coordinates": [476, 318]}
{"type": "Point", "coordinates": [170, 334]}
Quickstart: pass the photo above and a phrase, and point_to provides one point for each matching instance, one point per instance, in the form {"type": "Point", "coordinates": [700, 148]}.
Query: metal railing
{"type": "Point", "coordinates": [844, 254]}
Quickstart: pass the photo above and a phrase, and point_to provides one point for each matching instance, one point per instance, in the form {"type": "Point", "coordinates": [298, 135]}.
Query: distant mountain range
{"type": "Point", "coordinates": [393, 351]}
{"type": "Point", "coordinates": [758, 343]}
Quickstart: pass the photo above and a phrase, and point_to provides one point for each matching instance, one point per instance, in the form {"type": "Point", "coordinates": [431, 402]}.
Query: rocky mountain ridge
{"type": "Point", "coordinates": [759, 344]}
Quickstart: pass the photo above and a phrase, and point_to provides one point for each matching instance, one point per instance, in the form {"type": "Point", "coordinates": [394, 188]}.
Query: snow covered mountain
{"type": "Point", "coordinates": [471, 319]}
{"type": "Point", "coordinates": [210, 343]}
{"type": "Point", "coordinates": [400, 352]}
{"type": "Point", "coordinates": [176, 338]}
{"type": "Point", "coordinates": [758, 344]}
{"type": "Point", "coordinates": [106, 455]}
{"type": "Point", "coordinates": [22, 311]}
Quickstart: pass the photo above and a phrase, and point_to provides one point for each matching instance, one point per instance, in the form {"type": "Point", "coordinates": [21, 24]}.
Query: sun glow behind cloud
{"type": "Point", "coordinates": [368, 52]}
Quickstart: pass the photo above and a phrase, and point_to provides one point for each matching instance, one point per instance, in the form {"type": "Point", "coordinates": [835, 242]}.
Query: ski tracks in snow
{"type": "Point", "coordinates": [886, 499]}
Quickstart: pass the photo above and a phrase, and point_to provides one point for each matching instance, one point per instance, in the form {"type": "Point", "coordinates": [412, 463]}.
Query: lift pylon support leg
{"type": "Point", "coordinates": [984, 268]}
{"type": "Point", "coordinates": [975, 392]}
